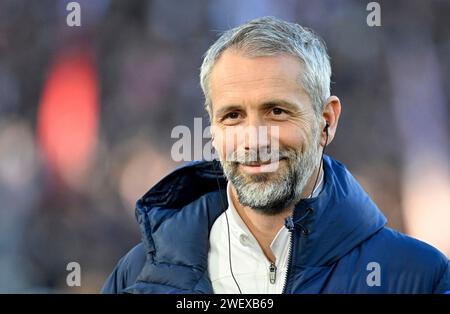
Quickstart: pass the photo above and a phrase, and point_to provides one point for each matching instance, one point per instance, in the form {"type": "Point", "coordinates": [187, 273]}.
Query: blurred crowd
{"type": "Point", "coordinates": [86, 115]}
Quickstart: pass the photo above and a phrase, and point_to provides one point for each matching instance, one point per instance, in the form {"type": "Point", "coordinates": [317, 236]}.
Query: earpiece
{"type": "Point", "coordinates": [326, 132]}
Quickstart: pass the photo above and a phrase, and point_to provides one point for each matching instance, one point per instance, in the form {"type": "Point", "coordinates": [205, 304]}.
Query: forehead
{"type": "Point", "coordinates": [238, 76]}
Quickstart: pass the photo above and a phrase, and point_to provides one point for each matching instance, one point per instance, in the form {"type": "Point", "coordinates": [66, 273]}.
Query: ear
{"type": "Point", "coordinates": [330, 114]}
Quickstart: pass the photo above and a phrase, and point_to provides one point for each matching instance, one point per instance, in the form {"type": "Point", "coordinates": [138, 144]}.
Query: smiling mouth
{"type": "Point", "coordinates": [259, 163]}
{"type": "Point", "coordinates": [256, 163]}
{"type": "Point", "coordinates": [261, 167]}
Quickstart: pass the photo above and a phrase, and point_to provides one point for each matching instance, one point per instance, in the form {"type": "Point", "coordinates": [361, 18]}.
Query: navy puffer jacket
{"type": "Point", "coordinates": [340, 243]}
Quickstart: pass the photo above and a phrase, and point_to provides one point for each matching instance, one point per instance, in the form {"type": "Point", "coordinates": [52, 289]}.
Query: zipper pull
{"type": "Point", "coordinates": [289, 223]}
{"type": "Point", "coordinates": [272, 273]}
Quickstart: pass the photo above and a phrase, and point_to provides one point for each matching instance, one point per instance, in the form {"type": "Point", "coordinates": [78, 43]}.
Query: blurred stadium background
{"type": "Point", "coordinates": [86, 115]}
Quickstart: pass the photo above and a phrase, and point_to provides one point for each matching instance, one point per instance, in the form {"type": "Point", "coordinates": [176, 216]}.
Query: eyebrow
{"type": "Point", "coordinates": [280, 102]}
{"type": "Point", "coordinates": [265, 105]}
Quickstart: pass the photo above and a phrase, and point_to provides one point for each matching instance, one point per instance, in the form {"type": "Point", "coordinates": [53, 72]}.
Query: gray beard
{"type": "Point", "coordinates": [272, 193]}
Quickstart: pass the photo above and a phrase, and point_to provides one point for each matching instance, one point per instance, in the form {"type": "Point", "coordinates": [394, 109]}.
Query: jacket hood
{"type": "Point", "coordinates": [176, 215]}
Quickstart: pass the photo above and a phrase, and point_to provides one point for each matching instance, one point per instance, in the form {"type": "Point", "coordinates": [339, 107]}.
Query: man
{"type": "Point", "coordinates": [297, 223]}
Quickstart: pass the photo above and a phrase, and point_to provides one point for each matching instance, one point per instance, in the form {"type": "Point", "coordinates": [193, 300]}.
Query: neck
{"type": "Point", "coordinates": [263, 227]}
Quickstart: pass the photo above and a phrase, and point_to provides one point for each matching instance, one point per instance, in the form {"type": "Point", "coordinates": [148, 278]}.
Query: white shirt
{"type": "Point", "coordinates": [251, 268]}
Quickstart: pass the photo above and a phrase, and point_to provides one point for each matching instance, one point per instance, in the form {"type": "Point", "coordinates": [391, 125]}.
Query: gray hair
{"type": "Point", "coordinates": [269, 36]}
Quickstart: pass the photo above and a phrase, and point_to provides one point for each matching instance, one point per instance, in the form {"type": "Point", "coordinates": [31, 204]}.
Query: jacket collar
{"type": "Point", "coordinates": [337, 220]}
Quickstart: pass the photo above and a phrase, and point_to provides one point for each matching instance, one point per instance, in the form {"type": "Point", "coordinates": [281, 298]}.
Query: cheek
{"type": "Point", "coordinates": [224, 142]}
{"type": "Point", "coordinates": [292, 137]}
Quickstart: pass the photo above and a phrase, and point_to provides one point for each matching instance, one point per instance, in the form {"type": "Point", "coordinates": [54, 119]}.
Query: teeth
{"type": "Point", "coordinates": [256, 163]}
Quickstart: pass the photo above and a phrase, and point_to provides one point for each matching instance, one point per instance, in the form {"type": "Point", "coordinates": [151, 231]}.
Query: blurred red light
{"type": "Point", "coordinates": [68, 115]}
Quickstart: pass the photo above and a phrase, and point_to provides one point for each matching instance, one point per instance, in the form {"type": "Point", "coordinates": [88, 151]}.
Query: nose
{"type": "Point", "coordinates": [262, 139]}
{"type": "Point", "coordinates": [256, 138]}
{"type": "Point", "coordinates": [256, 134]}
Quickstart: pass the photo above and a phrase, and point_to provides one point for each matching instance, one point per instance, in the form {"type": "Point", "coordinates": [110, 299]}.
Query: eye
{"type": "Point", "coordinates": [231, 118]}
{"type": "Point", "coordinates": [231, 115]}
{"type": "Point", "coordinates": [278, 111]}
